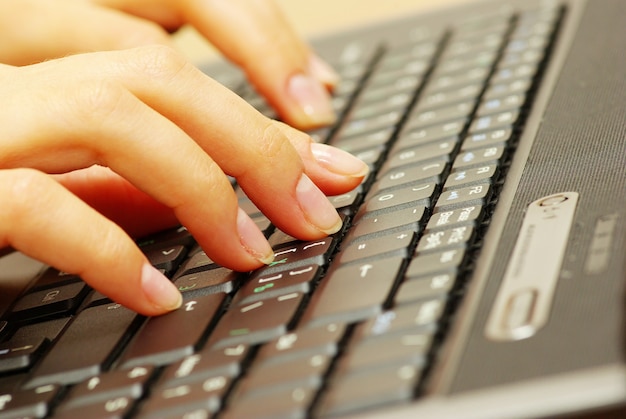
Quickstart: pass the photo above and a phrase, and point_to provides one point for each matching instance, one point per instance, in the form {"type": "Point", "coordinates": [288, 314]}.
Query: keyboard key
{"type": "Point", "coordinates": [387, 385]}
{"type": "Point", "coordinates": [302, 343]}
{"type": "Point", "coordinates": [179, 400]}
{"type": "Point", "coordinates": [91, 338]}
{"type": "Point", "coordinates": [471, 176]}
{"type": "Point", "coordinates": [172, 336]}
{"type": "Point", "coordinates": [261, 287]}
{"type": "Point", "coordinates": [29, 403]}
{"type": "Point", "coordinates": [18, 354]}
{"type": "Point", "coordinates": [210, 281]}
{"type": "Point", "coordinates": [401, 198]}
{"type": "Point", "coordinates": [394, 244]}
{"type": "Point", "coordinates": [336, 300]}
{"type": "Point", "coordinates": [447, 218]}
{"type": "Point", "coordinates": [45, 302]}
{"type": "Point", "coordinates": [256, 322]}
{"type": "Point", "coordinates": [464, 196]}
{"type": "Point", "coordinates": [109, 386]}
{"type": "Point", "coordinates": [427, 287]}
{"type": "Point", "coordinates": [404, 219]}
{"type": "Point", "coordinates": [204, 364]}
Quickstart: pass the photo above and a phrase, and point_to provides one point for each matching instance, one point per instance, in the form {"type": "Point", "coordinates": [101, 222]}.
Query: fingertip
{"type": "Point", "coordinates": [313, 102]}
{"type": "Point", "coordinates": [160, 292]}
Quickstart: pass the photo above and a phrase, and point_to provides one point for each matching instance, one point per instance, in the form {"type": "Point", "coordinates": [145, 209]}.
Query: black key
{"type": "Point", "coordinates": [394, 244]}
{"type": "Point", "coordinates": [418, 317]}
{"type": "Point", "coordinates": [166, 258]}
{"type": "Point", "coordinates": [437, 99]}
{"type": "Point", "coordinates": [439, 150]}
{"type": "Point", "coordinates": [261, 287]}
{"type": "Point", "coordinates": [487, 138]}
{"type": "Point", "coordinates": [444, 239]}
{"type": "Point", "coordinates": [508, 88]}
{"type": "Point", "coordinates": [197, 261]}
{"type": "Point", "coordinates": [451, 81]}
{"type": "Point", "coordinates": [405, 175]}
{"type": "Point", "coordinates": [57, 300]}
{"type": "Point", "coordinates": [211, 281]}
{"type": "Point", "coordinates": [110, 386]}
{"type": "Point", "coordinates": [170, 337]}
{"type": "Point", "coordinates": [404, 219]}
{"type": "Point", "coordinates": [306, 372]}
{"type": "Point", "coordinates": [179, 400]}
{"type": "Point", "coordinates": [464, 196]}
{"type": "Point", "coordinates": [459, 216]}
{"type": "Point", "coordinates": [336, 300]}
{"type": "Point", "coordinates": [213, 362]}
{"type": "Point", "coordinates": [32, 403]}
{"type": "Point", "coordinates": [384, 386]}
{"type": "Point", "coordinates": [471, 176]}
{"type": "Point", "coordinates": [302, 343]}
{"type": "Point", "coordinates": [401, 198]}
{"type": "Point", "coordinates": [431, 263]}
{"type": "Point", "coordinates": [361, 126]}
{"type": "Point", "coordinates": [257, 322]}
{"type": "Point", "coordinates": [363, 141]}
{"type": "Point", "coordinates": [91, 338]}
{"type": "Point", "coordinates": [171, 237]}
{"type": "Point", "coordinates": [501, 104]}
{"type": "Point", "coordinates": [443, 114]}
{"type": "Point", "coordinates": [291, 403]}
{"type": "Point", "coordinates": [113, 408]}
{"type": "Point", "coordinates": [494, 121]}
{"type": "Point", "coordinates": [54, 278]}
{"type": "Point", "coordinates": [423, 288]}
{"type": "Point", "coordinates": [397, 349]}
{"type": "Point", "coordinates": [416, 135]}
{"type": "Point", "coordinates": [17, 354]}
{"type": "Point", "coordinates": [301, 254]}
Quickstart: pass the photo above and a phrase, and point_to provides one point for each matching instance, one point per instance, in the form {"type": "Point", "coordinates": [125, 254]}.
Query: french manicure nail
{"type": "Point", "coordinates": [317, 208]}
{"type": "Point", "coordinates": [313, 99]}
{"type": "Point", "coordinates": [338, 161]}
{"type": "Point", "coordinates": [252, 239]}
{"type": "Point", "coordinates": [323, 71]}
{"type": "Point", "coordinates": [159, 290]}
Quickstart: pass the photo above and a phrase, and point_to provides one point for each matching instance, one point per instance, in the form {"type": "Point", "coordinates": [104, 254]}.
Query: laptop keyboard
{"type": "Point", "coordinates": [333, 326]}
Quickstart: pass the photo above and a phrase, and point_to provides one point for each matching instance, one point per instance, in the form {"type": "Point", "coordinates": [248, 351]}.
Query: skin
{"type": "Point", "coordinates": [92, 143]}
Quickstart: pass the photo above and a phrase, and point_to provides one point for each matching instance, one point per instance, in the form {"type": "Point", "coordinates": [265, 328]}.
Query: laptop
{"type": "Point", "coordinates": [480, 272]}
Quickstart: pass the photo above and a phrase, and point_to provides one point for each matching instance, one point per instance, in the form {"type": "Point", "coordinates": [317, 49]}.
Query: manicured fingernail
{"type": "Point", "coordinates": [338, 161]}
{"type": "Point", "coordinates": [322, 71]}
{"type": "Point", "coordinates": [317, 208]}
{"type": "Point", "coordinates": [252, 239]}
{"type": "Point", "coordinates": [159, 290]}
{"type": "Point", "coordinates": [313, 99]}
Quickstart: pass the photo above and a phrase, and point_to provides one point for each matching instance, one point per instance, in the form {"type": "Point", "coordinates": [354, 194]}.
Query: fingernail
{"type": "Point", "coordinates": [253, 239]}
{"type": "Point", "coordinates": [323, 71]}
{"type": "Point", "coordinates": [313, 99]}
{"type": "Point", "coordinates": [159, 290]}
{"type": "Point", "coordinates": [317, 208]}
{"type": "Point", "coordinates": [339, 161]}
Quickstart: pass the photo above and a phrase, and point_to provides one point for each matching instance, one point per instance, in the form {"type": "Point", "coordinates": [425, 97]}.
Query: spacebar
{"type": "Point", "coordinates": [85, 348]}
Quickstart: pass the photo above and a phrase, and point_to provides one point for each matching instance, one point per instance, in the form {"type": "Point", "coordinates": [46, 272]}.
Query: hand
{"type": "Point", "coordinates": [143, 129]}
{"type": "Point", "coordinates": [251, 33]}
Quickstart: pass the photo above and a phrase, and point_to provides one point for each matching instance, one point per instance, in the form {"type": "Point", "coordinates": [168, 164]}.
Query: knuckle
{"type": "Point", "coordinates": [274, 144]}
{"type": "Point", "coordinates": [94, 101]}
{"type": "Point", "coordinates": [24, 190]}
{"type": "Point", "coordinates": [159, 62]}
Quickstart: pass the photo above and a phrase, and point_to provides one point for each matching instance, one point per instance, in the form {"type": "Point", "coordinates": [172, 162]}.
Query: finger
{"type": "Point", "coordinates": [276, 60]}
{"type": "Point", "coordinates": [112, 127]}
{"type": "Point", "coordinates": [43, 220]}
{"type": "Point", "coordinates": [118, 200]}
{"type": "Point", "coordinates": [35, 30]}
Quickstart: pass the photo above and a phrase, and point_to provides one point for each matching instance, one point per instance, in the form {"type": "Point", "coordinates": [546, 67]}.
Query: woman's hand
{"type": "Point", "coordinates": [147, 139]}
{"type": "Point", "coordinates": [251, 33]}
